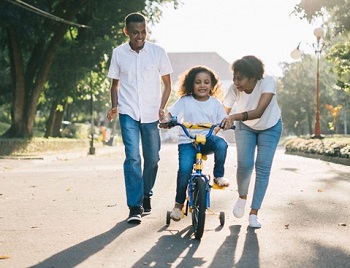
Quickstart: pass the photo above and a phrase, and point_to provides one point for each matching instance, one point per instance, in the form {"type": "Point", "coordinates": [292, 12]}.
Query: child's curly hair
{"type": "Point", "coordinates": [187, 81]}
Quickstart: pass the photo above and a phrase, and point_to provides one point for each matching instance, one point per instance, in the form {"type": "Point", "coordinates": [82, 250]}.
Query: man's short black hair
{"type": "Point", "coordinates": [134, 17]}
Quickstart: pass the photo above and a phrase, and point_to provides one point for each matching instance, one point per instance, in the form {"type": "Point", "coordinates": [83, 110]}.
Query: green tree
{"type": "Point", "coordinates": [296, 95]}
{"type": "Point", "coordinates": [33, 43]}
{"type": "Point", "coordinates": [337, 21]}
{"type": "Point", "coordinates": [335, 10]}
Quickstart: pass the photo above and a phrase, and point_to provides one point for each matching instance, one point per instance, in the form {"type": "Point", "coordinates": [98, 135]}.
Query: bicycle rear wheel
{"type": "Point", "coordinates": [199, 207]}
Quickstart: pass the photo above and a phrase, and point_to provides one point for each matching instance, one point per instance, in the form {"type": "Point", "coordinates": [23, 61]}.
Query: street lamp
{"type": "Point", "coordinates": [319, 33]}
{"type": "Point", "coordinates": [296, 54]}
{"type": "Point", "coordinates": [92, 148]}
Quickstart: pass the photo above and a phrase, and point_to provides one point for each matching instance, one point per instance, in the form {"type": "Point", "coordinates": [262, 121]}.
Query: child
{"type": "Point", "coordinates": [197, 105]}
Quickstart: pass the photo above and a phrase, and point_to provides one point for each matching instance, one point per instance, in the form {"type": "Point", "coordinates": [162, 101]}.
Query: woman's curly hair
{"type": "Point", "coordinates": [188, 77]}
{"type": "Point", "coordinates": [249, 66]}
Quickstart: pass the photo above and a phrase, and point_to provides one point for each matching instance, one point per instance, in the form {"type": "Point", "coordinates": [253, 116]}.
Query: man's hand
{"type": "Point", "coordinates": [111, 113]}
{"type": "Point", "coordinates": [161, 114]}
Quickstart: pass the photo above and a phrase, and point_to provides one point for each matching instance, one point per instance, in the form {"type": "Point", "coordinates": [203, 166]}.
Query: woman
{"type": "Point", "coordinates": [258, 127]}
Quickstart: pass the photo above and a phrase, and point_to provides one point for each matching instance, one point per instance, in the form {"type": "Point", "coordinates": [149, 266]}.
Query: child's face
{"type": "Point", "coordinates": [202, 86]}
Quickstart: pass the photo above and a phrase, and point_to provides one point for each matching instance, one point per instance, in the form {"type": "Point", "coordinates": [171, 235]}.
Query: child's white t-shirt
{"type": "Point", "coordinates": [247, 102]}
{"type": "Point", "coordinates": [188, 109]}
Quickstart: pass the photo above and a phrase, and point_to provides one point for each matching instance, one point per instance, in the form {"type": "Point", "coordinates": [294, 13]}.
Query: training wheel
{"type": "Point", "coordinates": [168, 217]}
{"type": "Point", "coordinates": [222, 218]}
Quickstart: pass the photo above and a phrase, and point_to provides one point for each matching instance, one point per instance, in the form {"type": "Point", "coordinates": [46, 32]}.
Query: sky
{"type": "Point", "coordinates": [235, 28]}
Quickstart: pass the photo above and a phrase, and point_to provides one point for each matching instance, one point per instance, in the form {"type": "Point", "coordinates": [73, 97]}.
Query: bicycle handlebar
{"type": "Point", "coordinates": [186, 126]}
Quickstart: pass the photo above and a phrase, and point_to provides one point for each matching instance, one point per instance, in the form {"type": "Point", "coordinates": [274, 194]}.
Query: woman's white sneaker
{"type": "Point", "coordinates": [254, 221]}
{"type": "Point", "coordinates": [238, 209]}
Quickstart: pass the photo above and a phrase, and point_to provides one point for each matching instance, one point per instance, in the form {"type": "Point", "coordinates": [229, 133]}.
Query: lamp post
{"type": "Point", "coordinates": [296, 54]}
{"type": "Point", "coordinates": [92, 148]}
{"type": "Point", "coordinates": [319, 33]}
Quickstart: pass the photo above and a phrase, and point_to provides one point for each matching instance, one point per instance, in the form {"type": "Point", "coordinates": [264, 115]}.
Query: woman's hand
{"type": "Point", "coordinates": [227, 122]}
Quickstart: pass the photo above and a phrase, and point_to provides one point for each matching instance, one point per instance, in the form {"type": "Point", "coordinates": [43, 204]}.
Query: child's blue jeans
{"type": "Point", "coordinates": [187, 157]}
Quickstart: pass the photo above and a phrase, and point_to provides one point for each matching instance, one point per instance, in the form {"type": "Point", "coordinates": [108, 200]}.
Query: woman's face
{"type": "Point", "coordinates": [202, 86]}
{"type": "Point", "coordinates": [244, 83]}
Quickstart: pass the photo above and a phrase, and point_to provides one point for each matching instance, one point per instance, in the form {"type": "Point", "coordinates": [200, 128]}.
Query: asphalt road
{"type": "Point", "coordinates": [70, 210]}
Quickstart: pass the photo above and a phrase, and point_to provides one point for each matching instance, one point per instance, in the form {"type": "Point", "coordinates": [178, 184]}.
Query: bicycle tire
{"type": "Point", "coordinates": [199, 207]}
{"type": "Point", "coordinates": [222, 218]}
{"type": "Point", "coordinates": [168, 217]}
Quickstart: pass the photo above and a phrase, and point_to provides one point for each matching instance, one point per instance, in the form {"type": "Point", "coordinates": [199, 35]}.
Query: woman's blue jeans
{"type": "Point", "coordinates": [248, 141]}
{"type": "Point", "coordinates": [187, 157]}
{"type": "Point", "coordinates": [138, 183]}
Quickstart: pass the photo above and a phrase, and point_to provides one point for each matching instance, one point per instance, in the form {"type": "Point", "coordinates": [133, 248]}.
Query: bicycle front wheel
{"type": "Point", "coordinates": [199, 207]}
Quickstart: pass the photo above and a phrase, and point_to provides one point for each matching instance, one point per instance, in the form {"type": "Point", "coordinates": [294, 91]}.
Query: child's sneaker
{"type": "Point", "coordinates": [177, 213]}
{"type": "Point", "coordinates": [222, 182]}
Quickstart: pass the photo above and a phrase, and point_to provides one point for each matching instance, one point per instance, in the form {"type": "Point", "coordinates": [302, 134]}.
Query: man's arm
{"type": "Point", "coordinates": [166, 93]}
{"type": "Point", "coordinates": [114, 99]}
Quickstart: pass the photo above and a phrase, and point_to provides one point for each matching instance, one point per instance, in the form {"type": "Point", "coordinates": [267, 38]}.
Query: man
{"type": "Point", "coordinates": [137, 68]}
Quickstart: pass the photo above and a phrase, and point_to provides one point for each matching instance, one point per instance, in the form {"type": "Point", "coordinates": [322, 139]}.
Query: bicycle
{"type": "Point", "coordinates": [199, 186]}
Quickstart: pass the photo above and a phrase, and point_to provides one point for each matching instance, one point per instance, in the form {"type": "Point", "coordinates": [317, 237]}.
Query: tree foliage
{"type": "Point", "coordinates": [337, 46]}
{"type": "Point", "coordinates": [297, 96]}
{"type": "Point", "coordinates": [43, 55]}
{"type": "Point", "coordinates": [336, 10]}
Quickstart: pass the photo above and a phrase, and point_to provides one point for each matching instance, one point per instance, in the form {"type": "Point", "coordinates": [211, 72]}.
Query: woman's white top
{"type": "Point", "coordinates": [247, 102]}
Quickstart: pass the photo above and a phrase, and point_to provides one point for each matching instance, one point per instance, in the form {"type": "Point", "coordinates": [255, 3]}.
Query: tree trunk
{"type": "Point", "coordinates": [18, 125]}
{"type": "Point", "coordinates": [54, 122]}
{"type": "Point", "coordinates": [26, 93]}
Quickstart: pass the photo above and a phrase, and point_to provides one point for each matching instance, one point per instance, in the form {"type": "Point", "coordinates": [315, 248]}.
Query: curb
{"type": "Point", "coordinates": [326, 158]}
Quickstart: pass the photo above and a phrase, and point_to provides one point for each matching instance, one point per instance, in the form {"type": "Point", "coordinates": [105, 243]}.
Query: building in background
{"type": "Point", "coordinates": [182, 61]}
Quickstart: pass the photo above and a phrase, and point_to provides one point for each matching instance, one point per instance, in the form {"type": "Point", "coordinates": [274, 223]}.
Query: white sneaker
{"type": "Point", "coordinates": [238, 209]}
{"type": "Point", "coordinates": [176, 214]}
{"type": "Point", "coordinates": [222, 182]}
{"type": "Point", "coordinates": [254, 221]}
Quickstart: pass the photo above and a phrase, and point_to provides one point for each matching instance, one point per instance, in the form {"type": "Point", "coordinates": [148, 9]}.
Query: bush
{"type": "Point", "coordinates": [329, 146]}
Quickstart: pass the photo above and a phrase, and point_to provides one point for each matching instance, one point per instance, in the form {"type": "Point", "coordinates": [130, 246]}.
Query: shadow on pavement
{"type": "Point", "coordinates": [225, 256]}
{"type": "Point", "coordinates": [75, 255]}
{"type": "Point", "coordinates": [179, 249]}
{"type": "Point", "coordinates": [170, 248]}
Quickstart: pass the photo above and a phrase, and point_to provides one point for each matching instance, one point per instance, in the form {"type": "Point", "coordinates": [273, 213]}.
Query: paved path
{"type": "Point", "coordinates": [70, 212]}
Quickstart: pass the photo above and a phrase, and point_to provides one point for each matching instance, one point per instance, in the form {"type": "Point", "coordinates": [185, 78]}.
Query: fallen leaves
{"type": "Point", "coordinates": [3, 257]}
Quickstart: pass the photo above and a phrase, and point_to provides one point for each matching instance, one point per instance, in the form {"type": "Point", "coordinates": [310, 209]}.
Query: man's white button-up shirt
{"type": "Point", "coordinates": [139, 76]}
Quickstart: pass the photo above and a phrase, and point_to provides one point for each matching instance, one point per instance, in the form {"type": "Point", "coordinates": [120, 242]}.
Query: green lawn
{"type": "Point", "coordinates": [4, 127]}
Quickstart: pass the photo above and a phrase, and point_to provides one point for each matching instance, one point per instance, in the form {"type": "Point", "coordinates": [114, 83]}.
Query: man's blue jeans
{"type": "Point", "coordinates": [187, 157]}
{"type": "Point", "coordinates": [265, 141]}
{"type": "Point", "coordinates": [138, 183]}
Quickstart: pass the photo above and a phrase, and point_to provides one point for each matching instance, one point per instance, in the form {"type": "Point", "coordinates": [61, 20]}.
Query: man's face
{"type": "Point", "coordinates": [137, 33]}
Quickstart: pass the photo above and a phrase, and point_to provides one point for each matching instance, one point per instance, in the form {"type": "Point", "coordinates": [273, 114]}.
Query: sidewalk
{"type": "Point", "coordinates": [70, 211]}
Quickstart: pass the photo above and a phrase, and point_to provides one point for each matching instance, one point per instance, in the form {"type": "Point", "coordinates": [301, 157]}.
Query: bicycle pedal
{"type": "Point", "coordinates": [217, 187]}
